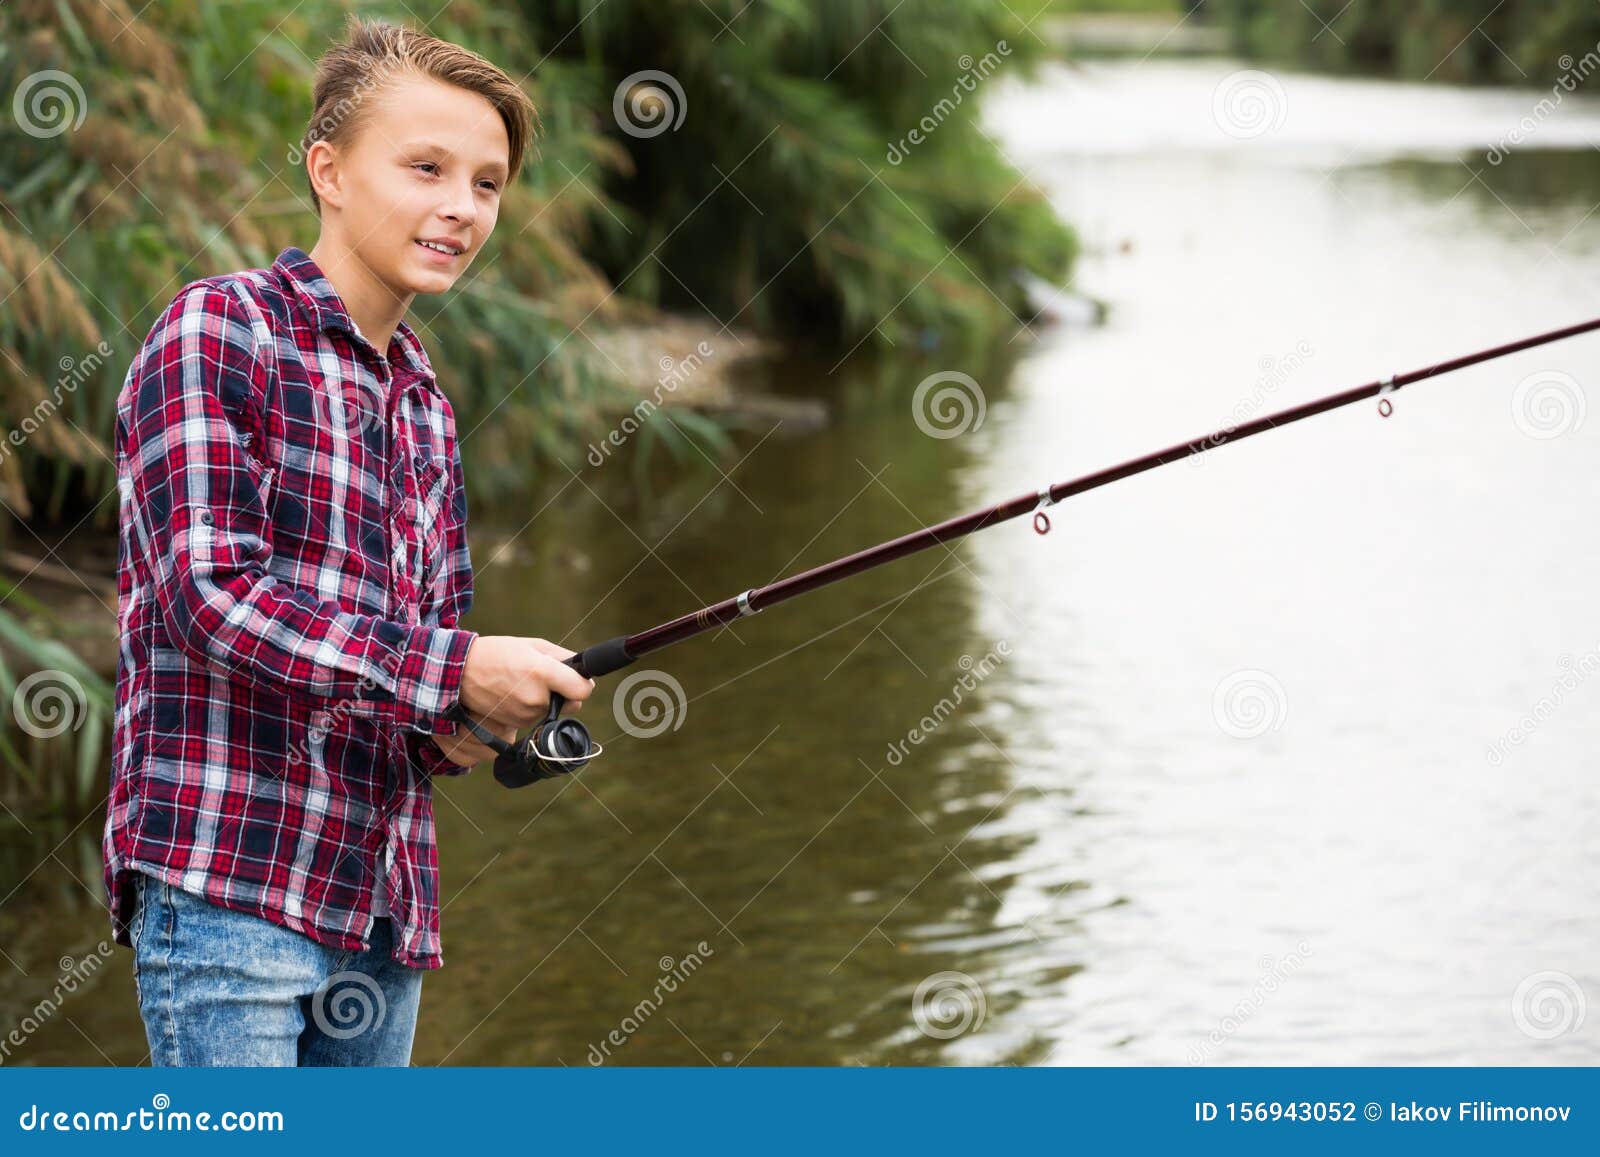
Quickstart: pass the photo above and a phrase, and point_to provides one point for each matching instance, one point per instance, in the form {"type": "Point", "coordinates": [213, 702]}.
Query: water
{"type": "Point", "coordinates": [1091, 858]}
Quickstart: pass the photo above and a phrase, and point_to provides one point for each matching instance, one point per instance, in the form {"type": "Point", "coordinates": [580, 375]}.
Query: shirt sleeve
{"type": "Point", "coordinates": [203, 534]}
{"type": "Point", "coordinates": [446, 602]}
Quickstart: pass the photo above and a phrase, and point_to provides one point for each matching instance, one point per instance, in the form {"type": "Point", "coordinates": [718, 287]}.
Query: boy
{"type": "Point", "coordinates": [292, 567]}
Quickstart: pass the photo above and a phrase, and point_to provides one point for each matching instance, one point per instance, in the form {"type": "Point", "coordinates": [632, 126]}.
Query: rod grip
{"type": "Point", "coordinates": [602, 658]}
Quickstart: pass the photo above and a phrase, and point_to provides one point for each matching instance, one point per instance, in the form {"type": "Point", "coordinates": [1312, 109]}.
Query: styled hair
{"type": "Point", "coordinates": [373, 53]}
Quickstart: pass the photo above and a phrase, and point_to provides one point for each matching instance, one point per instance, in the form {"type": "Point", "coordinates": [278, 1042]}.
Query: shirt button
{"type": "Point", "coordinates": [205, 516]}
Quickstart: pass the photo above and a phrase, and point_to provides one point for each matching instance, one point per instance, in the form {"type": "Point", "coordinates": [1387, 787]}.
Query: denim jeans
{"type": "Point", "coordinates": [219, 987]}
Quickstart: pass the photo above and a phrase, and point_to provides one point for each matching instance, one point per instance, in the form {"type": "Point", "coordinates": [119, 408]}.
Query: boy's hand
{"type": "Point", "coordinates": [507, 682]}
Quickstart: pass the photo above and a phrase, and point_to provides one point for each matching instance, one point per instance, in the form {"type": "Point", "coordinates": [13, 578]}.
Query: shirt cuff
{"type": "Point", "coordinates": [429, 682]}
{"type": "Point", "coordinates": [430, 757]}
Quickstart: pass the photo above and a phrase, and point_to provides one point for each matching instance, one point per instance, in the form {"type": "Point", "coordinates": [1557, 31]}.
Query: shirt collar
{"type": "Point", "coordinates": [322, 303]}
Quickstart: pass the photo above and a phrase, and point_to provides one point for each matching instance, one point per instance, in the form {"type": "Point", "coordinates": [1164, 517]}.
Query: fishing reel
{"type": "Point", "coordinates": [558, 745]}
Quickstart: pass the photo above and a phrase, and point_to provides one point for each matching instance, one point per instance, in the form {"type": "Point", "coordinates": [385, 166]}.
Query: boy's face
{"type": "Point", "coordinates": [427, 164]}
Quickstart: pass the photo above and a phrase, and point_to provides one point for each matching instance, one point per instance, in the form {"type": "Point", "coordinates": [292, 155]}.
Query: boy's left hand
{"type": "Point", "coordinates": [464, 750]}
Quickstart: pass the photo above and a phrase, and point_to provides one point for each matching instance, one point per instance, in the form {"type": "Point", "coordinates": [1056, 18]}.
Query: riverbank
{"type": "Point", "coordinates": [1138, 34]}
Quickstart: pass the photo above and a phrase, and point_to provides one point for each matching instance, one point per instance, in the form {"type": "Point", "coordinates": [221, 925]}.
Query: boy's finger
{"type": "Point", "coordinates": [556, 651]}
{"type": "Point", "coordinates": [568, 682]}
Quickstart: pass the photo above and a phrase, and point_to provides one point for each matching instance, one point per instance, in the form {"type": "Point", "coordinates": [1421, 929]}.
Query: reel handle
{"type": "Point", "coordinates": [557, 745]}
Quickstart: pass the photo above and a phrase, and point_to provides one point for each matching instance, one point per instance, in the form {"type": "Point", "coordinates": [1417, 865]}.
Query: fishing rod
{"type": "Point", "coordinates": [561, 745]}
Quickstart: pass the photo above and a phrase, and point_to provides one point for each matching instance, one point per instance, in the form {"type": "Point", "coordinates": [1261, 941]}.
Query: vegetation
{"type": "Point", "coordinates": [789, 198]}
{"type": "Point", "coordinates": [1512, 42]}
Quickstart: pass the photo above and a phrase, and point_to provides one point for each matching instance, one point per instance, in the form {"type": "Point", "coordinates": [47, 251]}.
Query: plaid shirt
{"type": "Point", "coordinates": [291, 565]}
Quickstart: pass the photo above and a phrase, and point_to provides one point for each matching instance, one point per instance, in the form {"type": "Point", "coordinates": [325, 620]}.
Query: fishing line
{"type": "Point", "coordinates": [561, 745]}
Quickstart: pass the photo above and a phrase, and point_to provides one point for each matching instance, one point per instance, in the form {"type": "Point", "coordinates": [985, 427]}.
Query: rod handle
{"type": "Point", "coordinates": [602, 658]}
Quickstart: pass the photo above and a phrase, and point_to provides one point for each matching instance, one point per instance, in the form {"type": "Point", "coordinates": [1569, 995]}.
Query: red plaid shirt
{"type": "Point", "coordinates": [292, 563]}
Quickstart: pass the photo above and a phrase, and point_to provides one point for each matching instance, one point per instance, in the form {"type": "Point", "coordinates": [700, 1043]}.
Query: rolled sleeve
{"type": "Point", "coordinates": [429, 681]}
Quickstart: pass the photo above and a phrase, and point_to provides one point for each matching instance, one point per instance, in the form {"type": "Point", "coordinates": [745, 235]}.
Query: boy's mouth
{"type": "Point", "coordinates": [441, 249]}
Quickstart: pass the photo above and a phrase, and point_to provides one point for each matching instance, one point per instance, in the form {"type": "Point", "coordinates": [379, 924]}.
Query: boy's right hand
{"type": "Point", "coordinates": [507, 680]}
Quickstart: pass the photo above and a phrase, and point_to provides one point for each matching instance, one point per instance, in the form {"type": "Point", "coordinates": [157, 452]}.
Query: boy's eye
{"type": "Point", "coordinates": [425, 165]}
{"type": "Point", "coordinates": [490, 185]}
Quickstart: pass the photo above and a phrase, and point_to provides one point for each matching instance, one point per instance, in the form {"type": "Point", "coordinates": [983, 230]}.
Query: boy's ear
{"type": "Point", "coordinates": [322, 166]}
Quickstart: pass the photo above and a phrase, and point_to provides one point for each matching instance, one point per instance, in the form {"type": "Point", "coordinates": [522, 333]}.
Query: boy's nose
{"type": "Point", "coordinates": [460, 208]}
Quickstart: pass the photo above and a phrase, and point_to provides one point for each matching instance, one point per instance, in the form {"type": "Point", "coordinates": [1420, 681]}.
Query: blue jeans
{"type": "Point", "coordinates": [219, 987]}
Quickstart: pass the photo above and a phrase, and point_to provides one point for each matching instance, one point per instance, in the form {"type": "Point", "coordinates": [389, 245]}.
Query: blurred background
{"type": "Point", "coordinates": [1284, 754]}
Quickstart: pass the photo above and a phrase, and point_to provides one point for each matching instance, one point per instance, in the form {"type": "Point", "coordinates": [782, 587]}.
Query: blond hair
{"type": "Point", "coordinates": [373, 53]}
